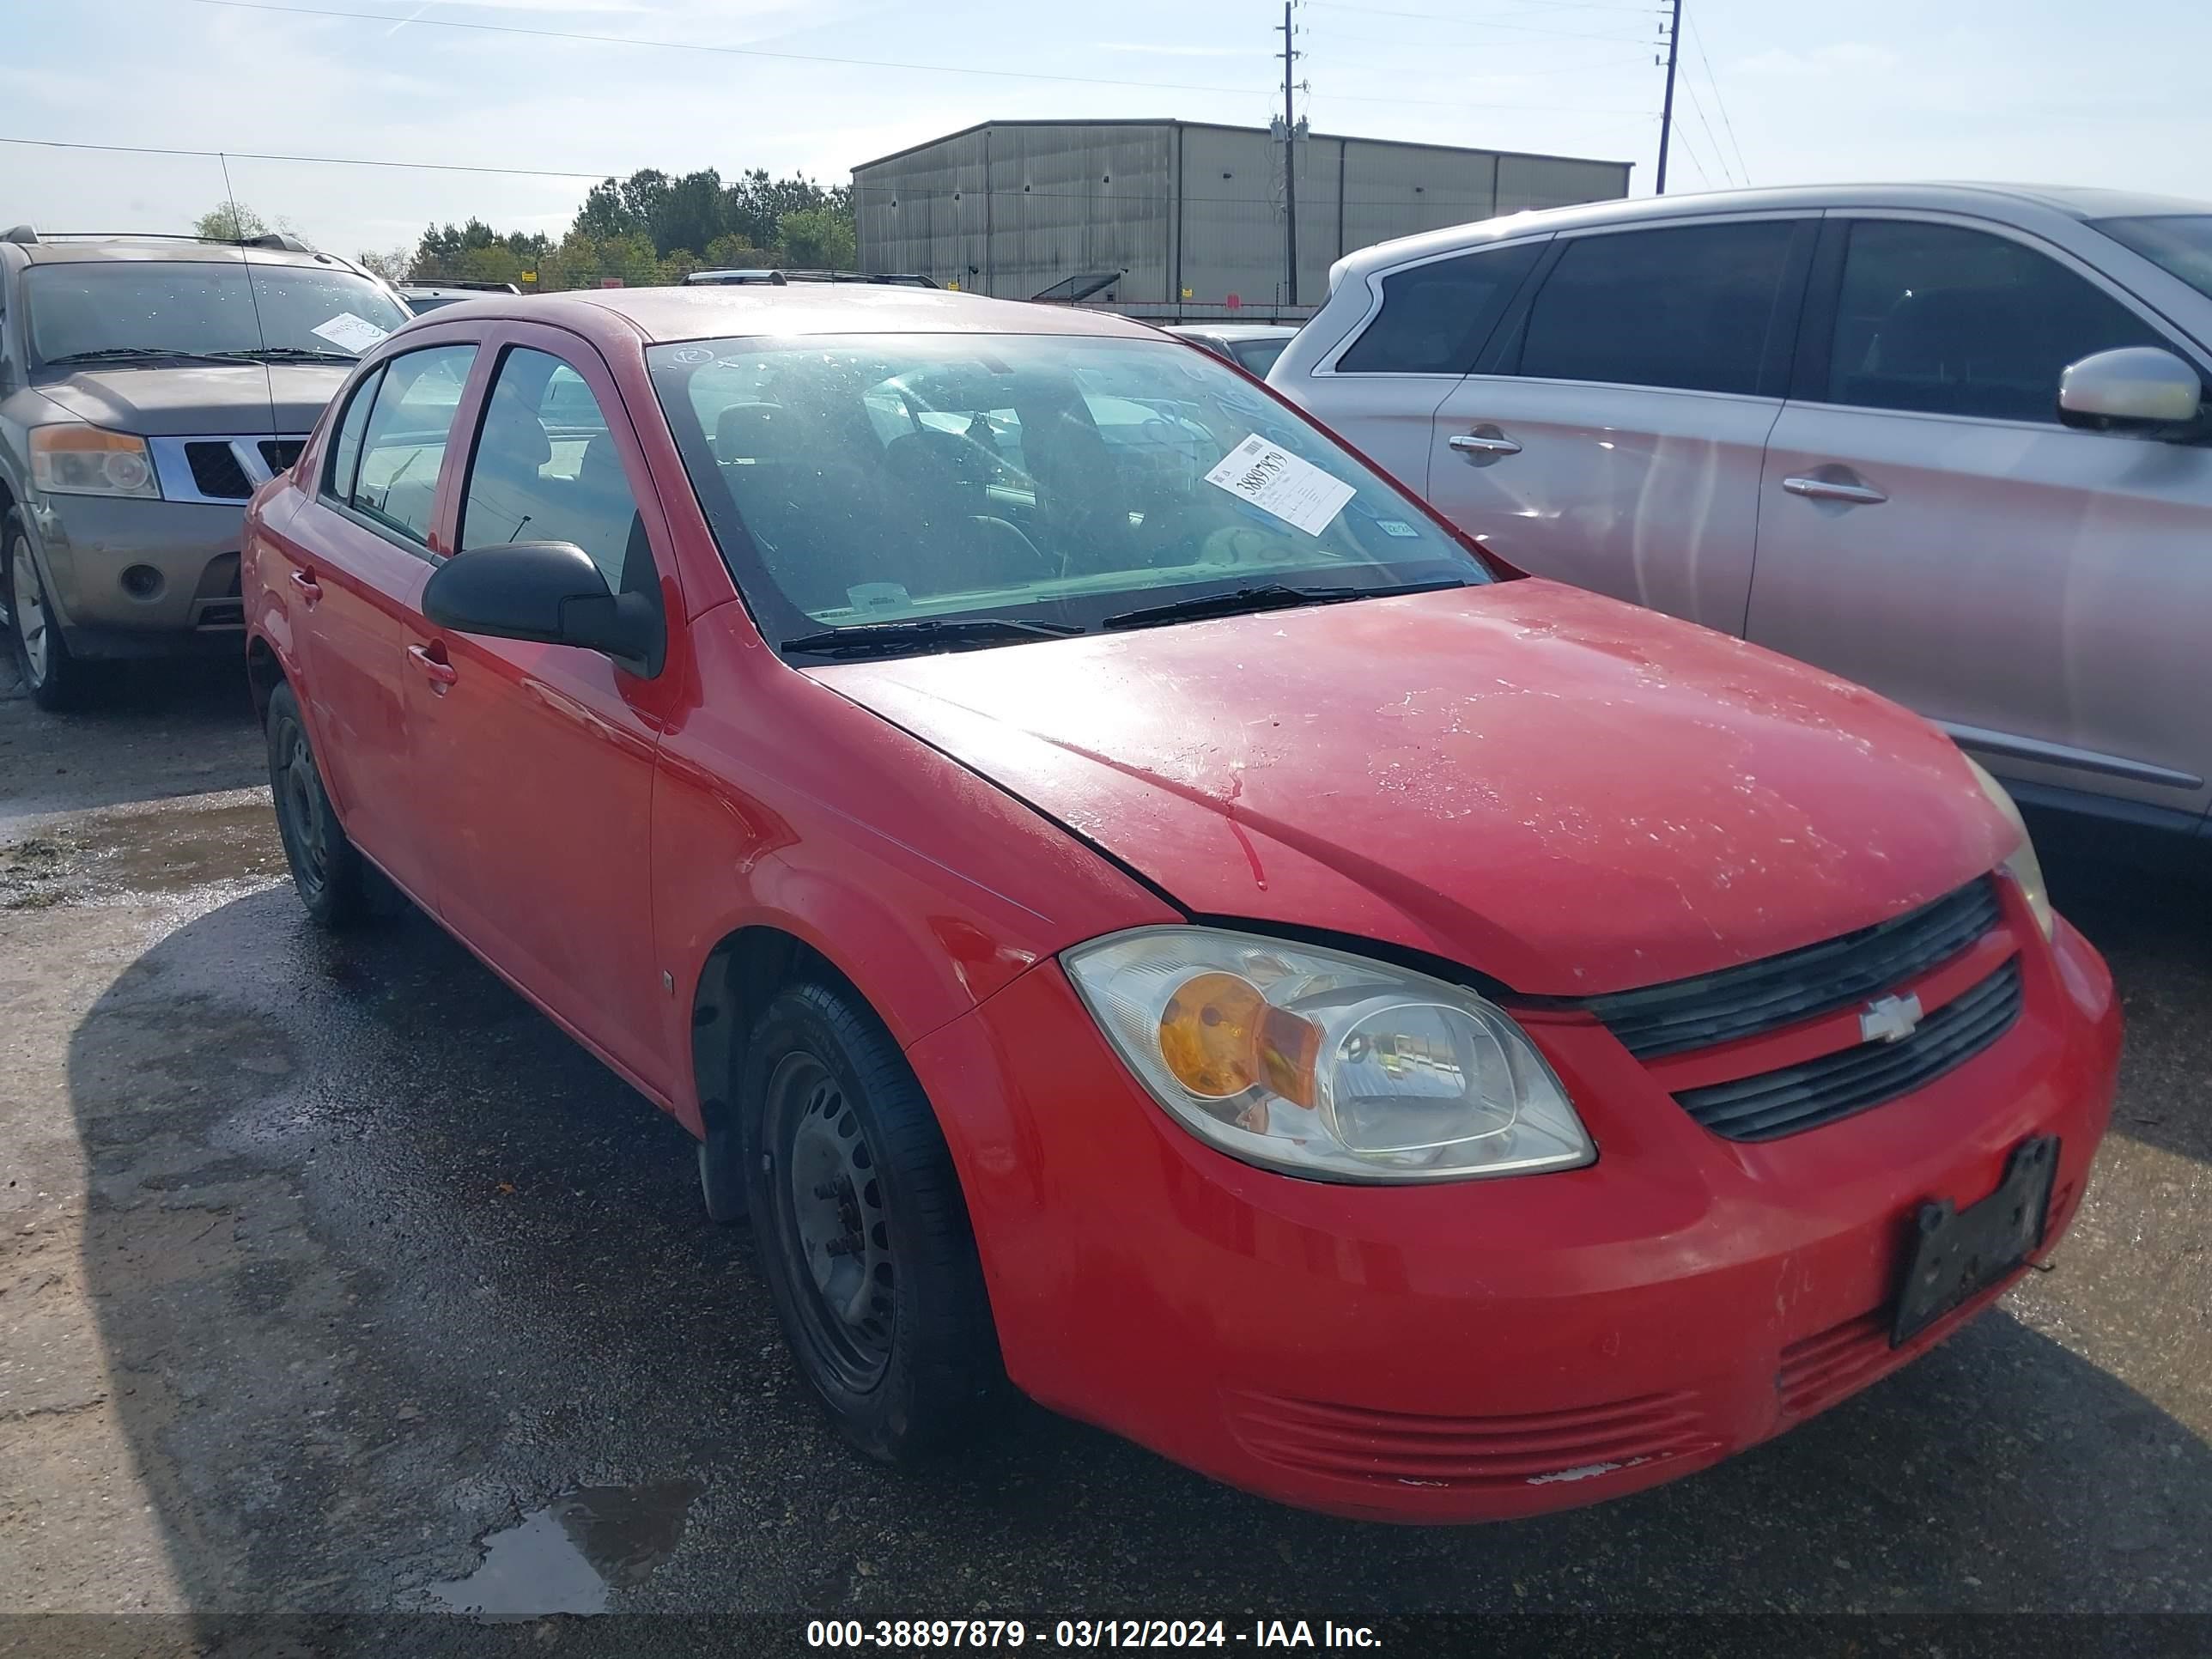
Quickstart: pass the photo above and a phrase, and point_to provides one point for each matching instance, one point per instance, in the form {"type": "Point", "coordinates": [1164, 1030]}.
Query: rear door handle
{"type": "Point", "coordinates": [440, 672]}
{"type": "Point", "coordinates": [310, 589]}
{"type": "Point", "coordinates": [1492, 444]}
{"type": "Point", "coordinates": [1828, 490]}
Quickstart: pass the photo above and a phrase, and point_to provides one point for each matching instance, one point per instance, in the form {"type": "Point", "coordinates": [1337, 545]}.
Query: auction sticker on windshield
{"type": "Point", "coordinates": [350, 333]}
{"type": "Point", "coordinates": [1280, 485]}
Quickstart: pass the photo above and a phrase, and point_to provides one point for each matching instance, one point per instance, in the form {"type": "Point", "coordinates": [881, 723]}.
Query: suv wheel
{"type": "Point", "coordinates": [52, 677]}
{"type": "Point", "coordinates": [863, 1233]}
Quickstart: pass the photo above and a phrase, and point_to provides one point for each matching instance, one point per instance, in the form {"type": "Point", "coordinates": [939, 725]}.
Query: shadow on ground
{"type": "Point", "coordinates": [147, 730]}
{"type": "Point", "coordinates": [382, 1262]}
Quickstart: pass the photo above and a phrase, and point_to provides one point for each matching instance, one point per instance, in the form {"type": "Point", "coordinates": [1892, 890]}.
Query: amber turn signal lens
{"type": "Point", "coordinates": [1219, 1036]}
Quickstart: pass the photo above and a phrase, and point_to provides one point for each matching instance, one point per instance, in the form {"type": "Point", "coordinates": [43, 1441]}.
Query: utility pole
{"type": "Point", "coordinates": [1667, 115]}
{"type": "Point", "coordinates": [1291, 166]}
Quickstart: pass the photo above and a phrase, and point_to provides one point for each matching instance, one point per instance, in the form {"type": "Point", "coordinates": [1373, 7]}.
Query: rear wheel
{"type": "Point", "coordinates": [54, 678]}
{"type": "Point", "coordinates": [864, 1236]}
{"type": "Point", "coordinates": [327, 872]}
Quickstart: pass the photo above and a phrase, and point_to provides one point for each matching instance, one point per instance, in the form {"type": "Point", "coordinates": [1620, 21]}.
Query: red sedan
{"type": "Point", "coordinates": [1135, 908]}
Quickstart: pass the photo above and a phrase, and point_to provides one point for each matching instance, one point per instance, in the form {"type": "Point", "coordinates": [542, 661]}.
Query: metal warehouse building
{"type": "Point", "coordinates": [1157, 216]}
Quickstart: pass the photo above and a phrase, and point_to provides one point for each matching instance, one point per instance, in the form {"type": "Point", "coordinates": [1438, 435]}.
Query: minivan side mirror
{"type": "Point", "coordinates": [550, 593]}
{"type": "Point", "coordinates": [2134, 389]}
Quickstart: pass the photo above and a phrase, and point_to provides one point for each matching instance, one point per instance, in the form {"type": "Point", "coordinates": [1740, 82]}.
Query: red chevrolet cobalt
{"type": "Point", "coordinates": [1134, 907]}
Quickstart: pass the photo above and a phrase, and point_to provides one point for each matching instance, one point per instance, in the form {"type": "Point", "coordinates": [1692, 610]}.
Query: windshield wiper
{"type": "Point", "coordinates": [292, 355]}
{"type": "Point", "coordinates": [1268, 596]}
{"type": "Point", "coordinates": [142, 354]}
{"type": "Point", "coordinates": [874, 638]}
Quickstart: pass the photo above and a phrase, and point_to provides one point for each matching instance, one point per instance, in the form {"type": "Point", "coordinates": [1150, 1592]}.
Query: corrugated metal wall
{"type": "Point", "coordinates": [1179, 209]}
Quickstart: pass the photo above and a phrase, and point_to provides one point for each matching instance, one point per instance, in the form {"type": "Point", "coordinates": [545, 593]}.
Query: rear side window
{"type": "Point", "coordinates": [403, 441]}
{"type": "Point", "coordinates": [1947, 321]}
{"type": "Point", "coordinates": [1435, 317]}
{"type": "Point", "coordinates": [1690, 307]}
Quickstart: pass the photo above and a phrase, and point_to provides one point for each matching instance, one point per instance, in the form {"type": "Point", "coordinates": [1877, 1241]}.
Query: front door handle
{"type": "Point", "coordinates": [440, 672]}
{"type": "Point", "coordinates": [1484, 446]}
{"type": "Point", "coordinates": [1830, 489]}
{"type": "Point", "coordinates": [310, 589]}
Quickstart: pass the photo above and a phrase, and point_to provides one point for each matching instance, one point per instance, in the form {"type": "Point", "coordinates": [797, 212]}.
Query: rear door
{"type": "Point", "coordinates": [1927, 527]}
{"type": "Point", "coordinates": [1612, 435]}
{"type": "Point", "coordinates": [538, 759]}
{"type": "Point", "coordinates": [361, 551]}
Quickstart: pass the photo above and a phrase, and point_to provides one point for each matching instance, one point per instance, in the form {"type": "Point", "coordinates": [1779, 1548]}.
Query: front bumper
{"type": "Point", "coordinates": [1485, 1349]}
{"type": "Point", "coordinates": [89, 544]}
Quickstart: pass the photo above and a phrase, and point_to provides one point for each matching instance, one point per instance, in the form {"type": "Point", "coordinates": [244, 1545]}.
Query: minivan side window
{"type": "Point", "coordinates": [1947, 321]}
{"type": "Point", "coordinates": [546, 469]}
{"type": "Point", "coordinates": [1435, 317]}
{"type": "Point", "coordinates": [403, 443]}
{"type": "Point", "coordinates": [1689, 307]}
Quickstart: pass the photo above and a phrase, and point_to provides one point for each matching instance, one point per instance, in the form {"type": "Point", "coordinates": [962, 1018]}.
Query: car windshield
{"type": "Point", "coordinates": [1070, 482]}
{"type": "Point", "coordinates": [2181, 242]}
{"type": "Point", "coordinates": [204, 308]}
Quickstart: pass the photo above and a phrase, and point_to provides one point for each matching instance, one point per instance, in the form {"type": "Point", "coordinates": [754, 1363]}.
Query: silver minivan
{"type": "Point", "coordinates": [1946, 441]}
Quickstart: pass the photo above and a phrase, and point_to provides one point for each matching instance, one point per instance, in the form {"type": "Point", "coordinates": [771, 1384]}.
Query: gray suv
{"type": "Point", "coordinates": [147, 386]}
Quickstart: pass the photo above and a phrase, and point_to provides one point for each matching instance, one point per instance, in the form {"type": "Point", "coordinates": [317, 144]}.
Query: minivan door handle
{"type": "Point", "coordinates": [1484, 446]}
{"type": "Point", "coordinates": [1830, 489]}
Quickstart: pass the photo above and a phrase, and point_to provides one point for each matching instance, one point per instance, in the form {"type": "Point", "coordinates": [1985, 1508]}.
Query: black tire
{"type": "Point", "coordinates": [328, 874]}
{"type": "Point", "coordinates": [53, 676]}
{"type": "Point", "coordinates": [828, 1101]}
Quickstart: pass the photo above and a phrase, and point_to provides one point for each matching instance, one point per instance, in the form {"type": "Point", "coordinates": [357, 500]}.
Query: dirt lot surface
{"type": "Point", "coordinates": [335, 1281]}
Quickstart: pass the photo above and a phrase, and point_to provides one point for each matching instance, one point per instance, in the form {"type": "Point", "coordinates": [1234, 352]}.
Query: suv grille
{"type": "Point", "coordinates": [215, 471]}
{"type": "Point", "coordinates": [281, 453]}
{"type": "Point", "coordinates": [1836, 1085]}
{"type": "Point", "coordinates": [1763, 996]}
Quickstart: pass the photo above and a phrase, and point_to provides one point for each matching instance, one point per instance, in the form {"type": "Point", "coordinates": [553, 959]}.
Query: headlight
{"type": "Point", "coordinates": [73, 459]}
{"type": "Point", "coordinates": [1325, 1065]}
{"type": "Point", "coordinates": [2023, 866]}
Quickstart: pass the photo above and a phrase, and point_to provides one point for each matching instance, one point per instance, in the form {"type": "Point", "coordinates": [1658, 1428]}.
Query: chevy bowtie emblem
{"type": "Point", "coordinates": [1889, 1019]}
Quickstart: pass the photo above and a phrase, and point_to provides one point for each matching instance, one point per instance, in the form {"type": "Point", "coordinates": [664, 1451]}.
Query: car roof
{"type": "Point", "coordinates": [2000, 200]}
{"type": "Point", "coordinates": [1237, 330]}
{"type": "Point", "coordinates": [167, 251]}
{"type": "Point", "coordinates": [663, 314]}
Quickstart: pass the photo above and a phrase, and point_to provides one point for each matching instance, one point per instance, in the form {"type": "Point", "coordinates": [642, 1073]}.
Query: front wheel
{"type": "Point", "coordinates": [864, 1236]}
{"type": "Point", "coordinates": [52, 675]}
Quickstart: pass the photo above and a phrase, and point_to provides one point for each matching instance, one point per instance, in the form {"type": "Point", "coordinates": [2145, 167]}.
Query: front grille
{"type": "Point", "coordinates": [1779, 991]}
{"type": "Point", "coordinates": [217, 473]}
{"type": "Point", "coordinates": [1796, 1097]}
{"type": "Point", "coordinates": [1531, 1450]}
{"type": "Point", "coordinates": [281, 453]}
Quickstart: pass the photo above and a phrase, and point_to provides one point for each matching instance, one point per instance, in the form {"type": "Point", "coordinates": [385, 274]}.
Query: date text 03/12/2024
{"type": "Point", "coordinates": [1067, 1633]}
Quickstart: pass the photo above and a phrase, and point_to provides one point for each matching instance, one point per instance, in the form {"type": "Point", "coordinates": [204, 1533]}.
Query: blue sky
{"type": "Point", "coordinates": [2021, 89]}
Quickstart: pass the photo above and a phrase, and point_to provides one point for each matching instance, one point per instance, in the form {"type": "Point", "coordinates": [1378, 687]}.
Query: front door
{"type": "Point", "coordinates": [1615, 441]}
{"type": "Point", "coordinates": [1928, 528]}
{"type": "Point", "coordinates": [539, 758]}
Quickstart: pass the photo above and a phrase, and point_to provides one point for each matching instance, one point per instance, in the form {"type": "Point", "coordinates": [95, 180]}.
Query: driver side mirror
{"type": "Point", "coordinates": [2142, 389]}
{"type": "Point", "coordinates": [550, 592]}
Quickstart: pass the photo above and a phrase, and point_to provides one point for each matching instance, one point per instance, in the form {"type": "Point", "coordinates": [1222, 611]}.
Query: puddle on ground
{"type": "Point", "coordinates": [164, 850]}
{"type": "Point", "coordinates": [567, 1556]}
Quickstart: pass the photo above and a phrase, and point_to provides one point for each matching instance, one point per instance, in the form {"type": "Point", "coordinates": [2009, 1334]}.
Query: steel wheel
{"type": "Point", "coordinates": [27, 600]}
{"type": "Point", "coordinates": [837, 1226]}
{"type": "Point", "coordinates": [299, 817]}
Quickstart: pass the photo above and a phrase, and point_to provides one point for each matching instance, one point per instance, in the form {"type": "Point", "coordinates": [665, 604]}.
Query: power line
{"type": "Point", "coordinates": [1440, 17]}
{"type": "Point", "coordinates": [1698, 40]}
{"type": "Point", "coordinates": [316, 160]}
{"type": "Point", "coordinates": [1720, 156]}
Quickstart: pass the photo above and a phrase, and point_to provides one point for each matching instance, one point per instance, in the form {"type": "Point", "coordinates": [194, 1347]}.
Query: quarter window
{"type": "Point", "coordinates": [1435, 317]}
{"type": "Point", "coordinates": [1692, 306]}
{"type": "Point", "coordinates": [345, 452]}
{"type": "Point", "coordinates": [1947, 321]}
{"type": "Point", "coordinates": [546, 469]}
{"type": "Point", "coordinates": [403, 443]}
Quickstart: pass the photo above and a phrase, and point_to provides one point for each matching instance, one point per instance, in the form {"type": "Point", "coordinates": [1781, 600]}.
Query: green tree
{"type": "Point", "coordinates": [230, 221]}
{"type": "Point", "coordinates": [394, 264]}
{"type": "Point", "coordinates": [730, 251]}
{"type": "Point", "coordinates": [817, 238]}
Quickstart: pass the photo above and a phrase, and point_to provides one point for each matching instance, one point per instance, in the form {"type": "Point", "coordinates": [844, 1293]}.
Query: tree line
{"type": "Point", "coordinates": [648, 228]}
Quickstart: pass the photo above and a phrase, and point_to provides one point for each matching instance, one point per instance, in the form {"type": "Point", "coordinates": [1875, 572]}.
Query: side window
{"type": "Point", "coordinates": [344, 461]}
{"type": "Point", "coordinates": [546, 469]}
{"type": "Point", "coordinates": [1947, 321]}
{"type": "Point", "coordinates": [1690, 307]}
{"type": "Point", "coordinates": [403, 443]}
{"type": "Point", "coordinates": [1435, 317]}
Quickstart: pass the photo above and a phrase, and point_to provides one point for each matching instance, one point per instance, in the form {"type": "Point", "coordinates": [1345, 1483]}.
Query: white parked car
{"type": "Point", "coordinates": [1947, 441]}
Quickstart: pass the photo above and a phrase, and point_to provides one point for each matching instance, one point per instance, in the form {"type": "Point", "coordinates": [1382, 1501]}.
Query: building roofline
{"type": "Point", "coordinates": [1227, 126]}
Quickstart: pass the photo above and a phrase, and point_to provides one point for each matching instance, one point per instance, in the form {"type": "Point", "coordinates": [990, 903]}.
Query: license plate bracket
{"type": "Point", "coordinates": [1958, 1253]}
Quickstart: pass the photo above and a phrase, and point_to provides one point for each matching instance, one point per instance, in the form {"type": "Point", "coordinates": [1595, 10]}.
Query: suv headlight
{"type": "Point", "coordinates": [1325, 1065]}
{"type": "Point", "coordinates": [76, 460]}
{"type": "Point", "coordinates": [2023, 866]}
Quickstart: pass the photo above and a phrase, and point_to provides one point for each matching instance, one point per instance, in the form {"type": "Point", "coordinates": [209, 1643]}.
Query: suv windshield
{"type": "Point", "coordinates": [204, 308]}
{"type": "Point", "coordinates": [1030, 479]}
{"type": "Point", "coordinates": [2181, 242]}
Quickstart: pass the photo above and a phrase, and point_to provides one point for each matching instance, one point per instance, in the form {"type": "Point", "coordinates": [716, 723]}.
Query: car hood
{"type": "Point", "coordinates": [1557, 790]}
{"type": "Point", "coordinates": [241, 399]}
